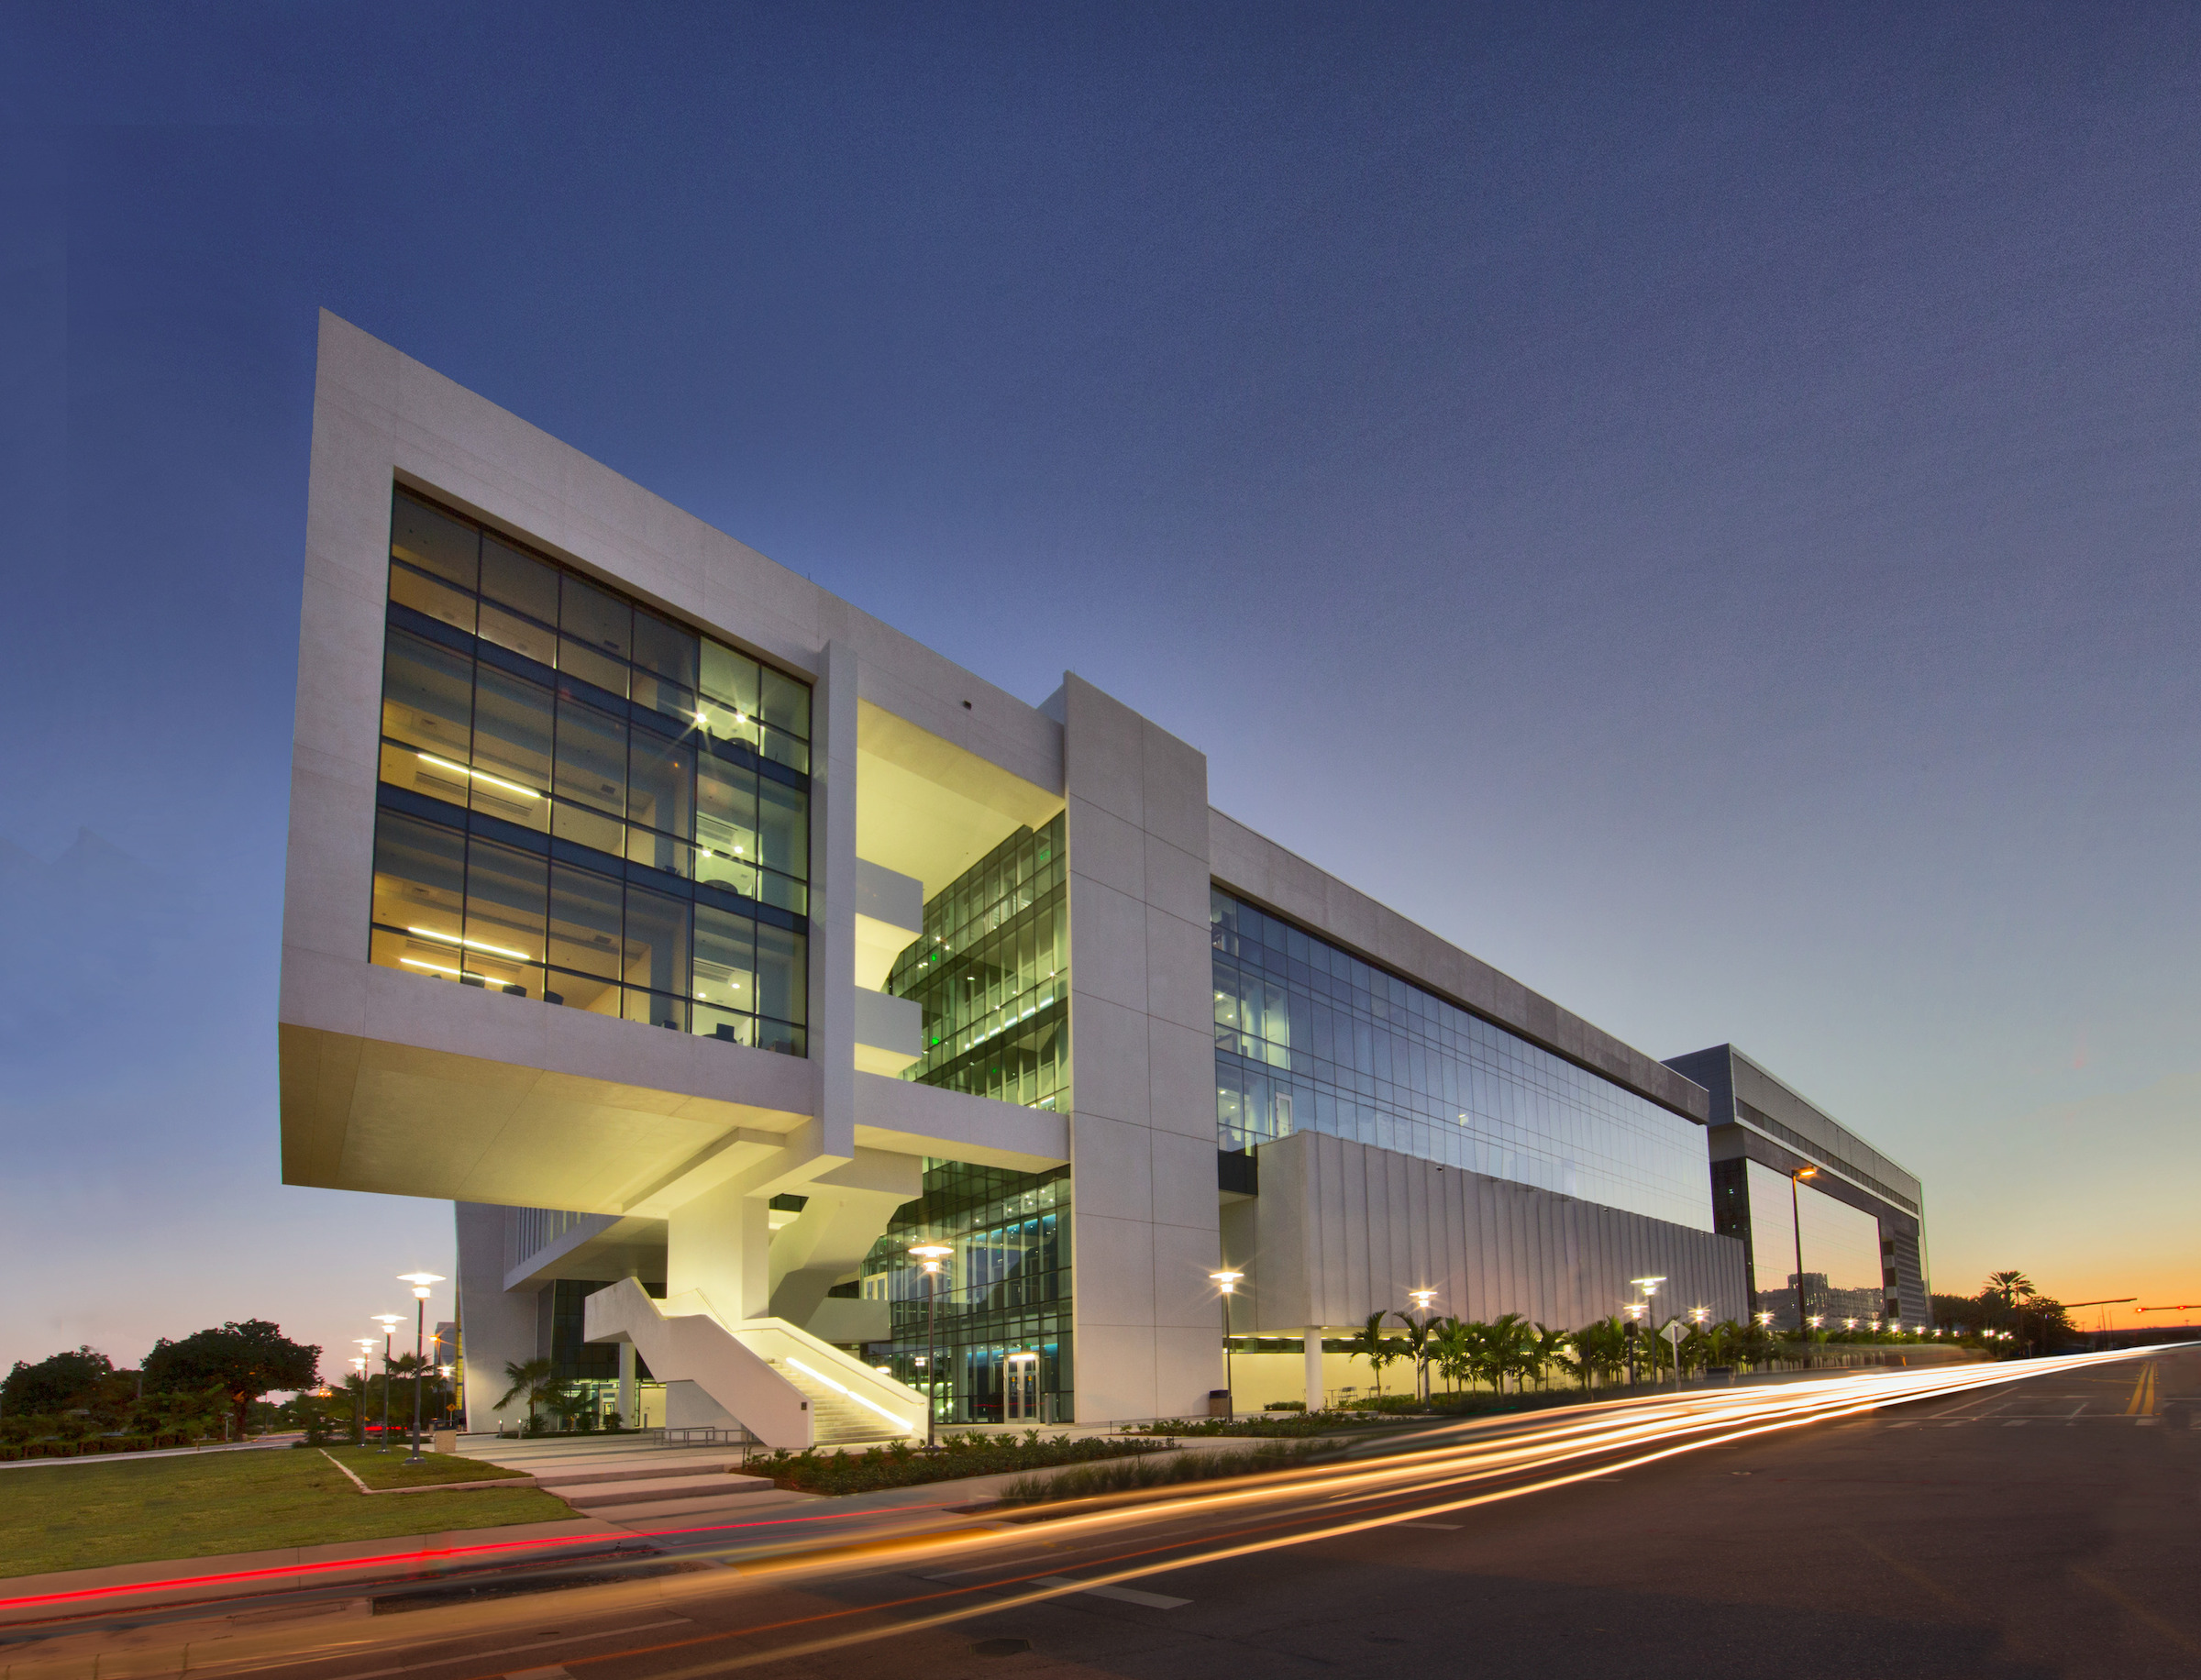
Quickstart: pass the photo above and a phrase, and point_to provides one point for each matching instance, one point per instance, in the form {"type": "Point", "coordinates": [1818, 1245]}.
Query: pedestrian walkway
{"type": "Point", "coordinates": [637, 1481]}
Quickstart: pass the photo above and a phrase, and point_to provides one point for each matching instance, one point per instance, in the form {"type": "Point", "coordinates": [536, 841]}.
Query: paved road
{"type": "Point", "coordinates": [2049, 1526]}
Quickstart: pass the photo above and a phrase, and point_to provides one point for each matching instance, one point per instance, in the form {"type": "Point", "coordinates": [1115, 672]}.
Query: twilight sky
{"type": "Point", "coordinates": [1698, 507]}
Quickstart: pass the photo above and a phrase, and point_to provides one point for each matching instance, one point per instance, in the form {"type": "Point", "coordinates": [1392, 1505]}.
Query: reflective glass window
{"type": "Point", "coordinates": [427, 695]}
{"type": "Point", "coordinates": [432, 540]}
{"type": "Point", "coordinates": [420, 878]}
{"type": "Point", "coordinates": [595, 618]}
{"type": "Point", "coordinates": [785, 703]}
{"type": "Point", "coordinates": [725, 959]}
{"type": "Point", "coordinates": [512, 747]}
{"type": "Point", "coordinates": [552, 741]}
{"type": "Point", "coordinates": [1310, 1038]}
{"type": "Point", "coordinates": [584, 921]}
{"type": "Point", "coordinates": [782, 976]}
{"type": "Point", "coordinates": [784, 822]}
{"type": "Point", "coordinates": [655, 953]}
{"type": "Point", "coordinates": [432, 596]}
{"type": "Point", "coordinates": [505, 892]}
{"type": "Point", "coordinates": [664, 649]}
{"type": "Point", "coordinates": [729, 678]}
{"type": "Point", "coordinates": [660, 782]}
{"type": "Point", "coordinates": [524, 636]}
{"type": "Point", "coordinates": [519, 580]}
{"type": "Point", "coordinates": [592, 756]}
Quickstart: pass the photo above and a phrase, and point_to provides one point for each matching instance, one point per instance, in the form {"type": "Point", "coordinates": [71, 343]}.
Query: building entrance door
{"type": "Point", "coordinates": [1024, 1388]}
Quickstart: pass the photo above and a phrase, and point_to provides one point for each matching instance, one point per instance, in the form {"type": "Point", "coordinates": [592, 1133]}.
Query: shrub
{"type": "Point", "coordinates": [898, 1463]}
{"type": "Point", "coordinates": [1124, 1475]}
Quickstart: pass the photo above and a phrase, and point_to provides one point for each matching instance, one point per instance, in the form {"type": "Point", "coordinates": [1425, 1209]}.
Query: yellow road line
{"type": "Point", "coordinates": [2142, 1403]}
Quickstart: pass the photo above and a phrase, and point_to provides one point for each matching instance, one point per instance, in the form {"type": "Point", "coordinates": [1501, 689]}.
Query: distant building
{"type": "Point", "coordinates": [1862, 1216]}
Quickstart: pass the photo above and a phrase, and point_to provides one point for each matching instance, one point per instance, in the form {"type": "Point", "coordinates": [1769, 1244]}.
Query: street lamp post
{"type": "Point", "coordinates": [359, 1395]}
{"type": "Point", "coordinates": [1422, 1300]}
{"type": "Point", "coordinates": [1226, 1281]}
{"type": "Point", "coordinates": [1648, 1287]}
{"type": "Point", "coordinates": [388, 1321]}
{"type": "Point", "coordinates": [930, 1256]}
{"type": "Point", "coordinates": [420, 1282]}
{"type": "Point", "coordinates": [1795, 1216]}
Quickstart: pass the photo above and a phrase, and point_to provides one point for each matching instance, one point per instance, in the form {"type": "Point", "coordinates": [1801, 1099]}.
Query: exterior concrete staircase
{"type": "Point", "coordinates": [835, 1418]}
{"type": "Point", "coordinates": [784, 1386]}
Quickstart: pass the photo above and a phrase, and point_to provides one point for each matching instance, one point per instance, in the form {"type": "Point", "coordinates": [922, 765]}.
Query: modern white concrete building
{"type": "Point", "coordinates": [710, 944]}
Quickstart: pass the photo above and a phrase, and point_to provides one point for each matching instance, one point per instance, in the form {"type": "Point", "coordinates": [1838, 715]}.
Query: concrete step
{"type": "Point", "coordinates": [593, 1495]}
{"type": "Point", "coordinates": [835, 1419]}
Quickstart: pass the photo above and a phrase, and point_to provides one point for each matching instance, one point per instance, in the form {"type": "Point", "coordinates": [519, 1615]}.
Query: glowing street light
{"type": "Point", "coordinates": [388, 1321]}
{"type": "Point", "coordinates": [1226, 1283]}
{"type": "Point", "coordinates": [420, 1282]}
{"type": "Point", "coordinates": [930, 1256]}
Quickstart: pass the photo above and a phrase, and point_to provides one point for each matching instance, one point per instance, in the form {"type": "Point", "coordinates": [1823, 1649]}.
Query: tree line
{"type": "Point", "coordinates": [196, 1385]}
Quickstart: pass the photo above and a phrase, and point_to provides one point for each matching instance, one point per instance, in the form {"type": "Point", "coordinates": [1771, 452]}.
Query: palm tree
{"type": "Point", "coordinates": [1505, 1348]}
{"type": "Point", "coordinates": [2011, 1286]}
{"type": "Point", "coordinates": [1418, 1350]}
{"type": "Point", "coordinates": [533, 1382]}
{"type": "Point", "coordinates": [1600, 1350]}
{"type": "Point", "coordinates": [1455, 1349]}
{"type": "Point", "coordinates": [1543, 1351]}
{"type": "Point", "coordinates": [1376, 1347]}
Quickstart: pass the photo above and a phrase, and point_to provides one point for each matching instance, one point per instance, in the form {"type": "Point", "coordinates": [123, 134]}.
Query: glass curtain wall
{"type": "Point", "coordinates": [1000, 1348]}
{"type": "Point", "coordinates": [582, 801]}
{"type": "Point", "coordinates": [991, 974]}
{"type": "Point", "coordinates": [1842, 1265]}
{"type": "Point", "coordinates": [1308, 1037]}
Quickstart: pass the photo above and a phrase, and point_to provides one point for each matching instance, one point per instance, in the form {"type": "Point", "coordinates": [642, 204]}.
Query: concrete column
{"type": "Point", "coordinates": [720, 1244]}
{"type": "Point", "coordinates": [496, 1326]}
{"type": "Point", "coordinates": [1314, 1368]}
{"type": "Point", "coordinates": [627, 1373]}
{"type": "Point", "coordinates": [833, 898]}
{"type": "Point", "coordinates": [1142, 1063]}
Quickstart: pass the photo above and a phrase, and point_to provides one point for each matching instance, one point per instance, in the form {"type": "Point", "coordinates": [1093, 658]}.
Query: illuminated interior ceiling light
{"type": "Point", "coordinates": [495, 781]}
{"type": "Point", "coordinates": [414, 962]}
{"type": "Point", "coordinates": [473, 945]}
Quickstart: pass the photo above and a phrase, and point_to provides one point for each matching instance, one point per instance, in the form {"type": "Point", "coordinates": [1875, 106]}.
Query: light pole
{"type": "Point", "coordinates": [930, 1256]}
{"type": "Point", "coordinates": [359, 1398]}
{"type": "Point", "coordinates": [1422, 1300]}
{"type": "Point", "coordinates": [1795, 1216]}
{"type": "Point", "coordinates": [1648, 1287]}
{"type": "Point", "coordinates": [1226, 1281]}
{"type": "Point", "coordinates": [388, 1321]}
{"type": "Point", "coordinates": [420, 1282]}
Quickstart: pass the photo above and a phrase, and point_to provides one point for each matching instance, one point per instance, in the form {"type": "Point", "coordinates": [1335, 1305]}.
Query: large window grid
{"type": "Point", "coordinates": [1308, 1037]}
{"type": "Point", "coordinates": [583, 801]}
{"type": "Point", "coordinates": [1005, 1293]}
{"type": "Point", "coordinates": [990, 972]}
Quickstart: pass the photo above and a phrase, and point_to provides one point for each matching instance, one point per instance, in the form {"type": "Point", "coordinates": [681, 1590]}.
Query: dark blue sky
{"type": "Point", "coordinates": [1699, 507]}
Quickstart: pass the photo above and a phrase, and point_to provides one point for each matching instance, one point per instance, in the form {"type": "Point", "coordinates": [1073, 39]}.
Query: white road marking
{"type": "Point", "coordinates": [1129, 1594]}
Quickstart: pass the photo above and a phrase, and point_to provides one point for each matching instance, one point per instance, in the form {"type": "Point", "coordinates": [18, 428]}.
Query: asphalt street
{"type": "Point", "coordinates": [2045, 1526]}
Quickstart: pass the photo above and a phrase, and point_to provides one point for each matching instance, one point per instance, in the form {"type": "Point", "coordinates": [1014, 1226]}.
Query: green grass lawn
{"type": "Point", "coordinates": [78, 1514]}
{"type": "Point", "coordinates": [390, 1469]}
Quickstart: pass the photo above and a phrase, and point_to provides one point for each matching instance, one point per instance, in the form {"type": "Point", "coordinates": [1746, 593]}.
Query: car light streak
{"type": "Point", "coordinates": [1684, 1423]}
{"type": "Point", "coordinates": [1465, 1466]}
